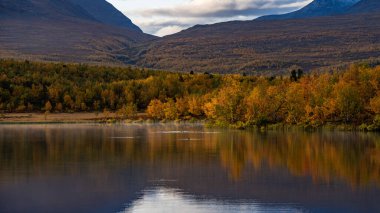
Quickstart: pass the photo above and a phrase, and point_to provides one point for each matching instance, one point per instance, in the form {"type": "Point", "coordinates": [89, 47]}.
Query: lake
{"type": "Point", "coordinates": [185, 168]}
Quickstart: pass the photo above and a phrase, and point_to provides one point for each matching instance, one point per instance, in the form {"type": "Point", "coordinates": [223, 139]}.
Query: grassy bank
{"type": "Point", "coordinates": [78, 117]}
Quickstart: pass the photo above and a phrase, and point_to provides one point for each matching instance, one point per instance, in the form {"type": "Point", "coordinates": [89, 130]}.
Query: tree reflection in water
{"type": "Point", "coordinates": [325, 156]}
{"type": "Point", "coordinates": [100, 168]}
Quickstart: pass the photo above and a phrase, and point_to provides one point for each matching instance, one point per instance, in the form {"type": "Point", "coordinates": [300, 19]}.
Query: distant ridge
{"type": "Point", "coordinates": [316, 8]}
{"type": "Point", "coordinates": [365, 6]}
{"type": "Point", "coordinates": [271, 46]}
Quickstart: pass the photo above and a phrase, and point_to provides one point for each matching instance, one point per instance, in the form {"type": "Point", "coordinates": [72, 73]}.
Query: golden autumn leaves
{"type": "Point", "coordinates": [352, 96]}
{"type": "Point", "coordinates": [346, 97]}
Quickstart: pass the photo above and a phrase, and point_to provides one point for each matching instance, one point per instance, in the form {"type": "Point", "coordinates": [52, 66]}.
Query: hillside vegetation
{"type": "Point", "coordinates": [322, 35]}
{"type": "Point", "coordinates": [350, 97]}
{"type": "Point", "coordinates": [268, 46]}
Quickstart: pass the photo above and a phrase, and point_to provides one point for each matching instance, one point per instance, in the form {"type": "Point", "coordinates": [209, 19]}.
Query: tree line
{"type": "Point", "coordinates": [351, 97]}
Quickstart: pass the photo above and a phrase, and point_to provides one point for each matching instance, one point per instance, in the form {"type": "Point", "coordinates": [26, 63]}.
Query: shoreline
{"type": "Point", "coordinates": [61, 118]}
{"type": "Point", "coordinates": [111, 117]}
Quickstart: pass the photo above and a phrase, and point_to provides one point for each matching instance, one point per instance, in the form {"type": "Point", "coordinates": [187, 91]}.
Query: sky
{"type": "Point", "coordinates": [164, 17]}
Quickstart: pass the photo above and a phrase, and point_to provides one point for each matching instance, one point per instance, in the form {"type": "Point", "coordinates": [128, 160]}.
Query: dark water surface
{"type": "Point", "coordinates": [185, 168]}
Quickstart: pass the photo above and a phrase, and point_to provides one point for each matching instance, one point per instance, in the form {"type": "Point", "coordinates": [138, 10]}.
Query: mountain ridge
{"type": "Point", "coordinates": [316, 8]}
{"type": "Point", "coordinates": [270, 45]}
{"type": "Point", "coordinates": [365, 6]}
{"type": "Point", "coordinates": [58, 30]}
{"type": "Point", "coordinates": [104, 12]}
{"type": "Point", "coordinates": [237, 46]}
{"type": "Point", "coordinates": [42, 8]}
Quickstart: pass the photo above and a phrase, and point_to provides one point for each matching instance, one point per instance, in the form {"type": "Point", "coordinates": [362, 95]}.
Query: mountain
{"type": "Point", "coordinates": [53, 9]}
{"type": "Point", "coordinates": [325, 33]}
{"type": "Point", "coordinates": [269, 46]}
{"type": "Point", "coordinates": [104, 12]}
{"type": "Point", "coordinates": [315, 9]}
{"type": "Point", "coordinates": [365, 6]}
{"type": "Point", "coordinates": [60, 30]}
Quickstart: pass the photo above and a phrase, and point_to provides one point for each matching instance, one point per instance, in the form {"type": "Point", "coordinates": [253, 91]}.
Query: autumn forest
{"type": "Point", "coordinates": [345, 97]}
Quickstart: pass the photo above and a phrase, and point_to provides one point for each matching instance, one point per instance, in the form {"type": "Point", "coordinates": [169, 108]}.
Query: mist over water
{"type": "Point", "coordinates": [167, 167]}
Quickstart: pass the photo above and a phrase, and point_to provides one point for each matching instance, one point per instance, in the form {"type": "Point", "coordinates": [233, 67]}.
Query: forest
{"type": "Point", "coordinates": [313, 99]}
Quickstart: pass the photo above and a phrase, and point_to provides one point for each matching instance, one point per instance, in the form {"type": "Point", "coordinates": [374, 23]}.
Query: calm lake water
{"type": "Point", "coordinates": [185, 168]}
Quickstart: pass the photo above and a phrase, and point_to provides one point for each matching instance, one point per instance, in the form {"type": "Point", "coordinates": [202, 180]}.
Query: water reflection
{"type": "Point", "coordinates": [170, 200]}
{"type": "Point", "coordinates": [95, 168]}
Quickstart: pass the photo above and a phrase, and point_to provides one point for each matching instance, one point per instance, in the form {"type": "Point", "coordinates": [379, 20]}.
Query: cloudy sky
{"type": "Point", "coordinates": [163, 17]}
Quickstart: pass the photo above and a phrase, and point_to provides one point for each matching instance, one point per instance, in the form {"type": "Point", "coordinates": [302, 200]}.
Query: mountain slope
{"type": "Point", "coordinates": [255, 46]}
{"type": "Point", "coordinates": [53, 9]}
{"type": "Point", "coordinates": [58, 30]}
{"type": "Point", "coordinates": [315, 9]}
{"type": "Point", "coordinates": [106, 13]}
{"type": "Point", "coordinates": [365, 6]}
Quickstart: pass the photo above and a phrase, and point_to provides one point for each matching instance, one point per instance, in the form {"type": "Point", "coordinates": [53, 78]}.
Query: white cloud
{"type": "Point", "coordinates": [163, 17]}
{"type": "Point", "coordinates": [169, 30]}
{"type": "Point", "coordinates": [225, 8]}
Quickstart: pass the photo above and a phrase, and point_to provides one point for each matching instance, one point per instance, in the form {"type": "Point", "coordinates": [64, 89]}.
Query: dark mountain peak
{"type": "Point", "coordinates": [66, 30]}
{"type": "Point", "coordinates": [90, 10]}
{"type": "Point", "coordinates": [52, 9]}
{"type": "Point", "coordinates": [106, 13]}
{"type": "Point", "coordinates": [315, 9]}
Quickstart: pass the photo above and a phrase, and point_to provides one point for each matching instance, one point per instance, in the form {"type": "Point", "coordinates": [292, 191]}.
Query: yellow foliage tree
{"type": "Point", "coordinates": [227, 105]}
{"type": "Point", "coordinates": [129, 110]}
{"type": "Point", "coordinates": [348, 101]}
{"type": "Point", "coordinates": [69, 103]}
{"type": "Point", "coordinates": [321, 104]}
{"type": "Point", "coordinates": [48, 106]}
{"type": "Point", "coordinates": [195, 105]}
{"type": "Point", "coordinates": [264, 104]}
{"type": "Point", "coordinates": [156, 109]}
{"type": "Point", "coordinates": [375, 104]}
{"type": "Point", "coordinates": [170, 110]}
{"type": "Point", "coordinates": [182, 107]}
{"type": "Point", "coordinates": [295, 103]}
